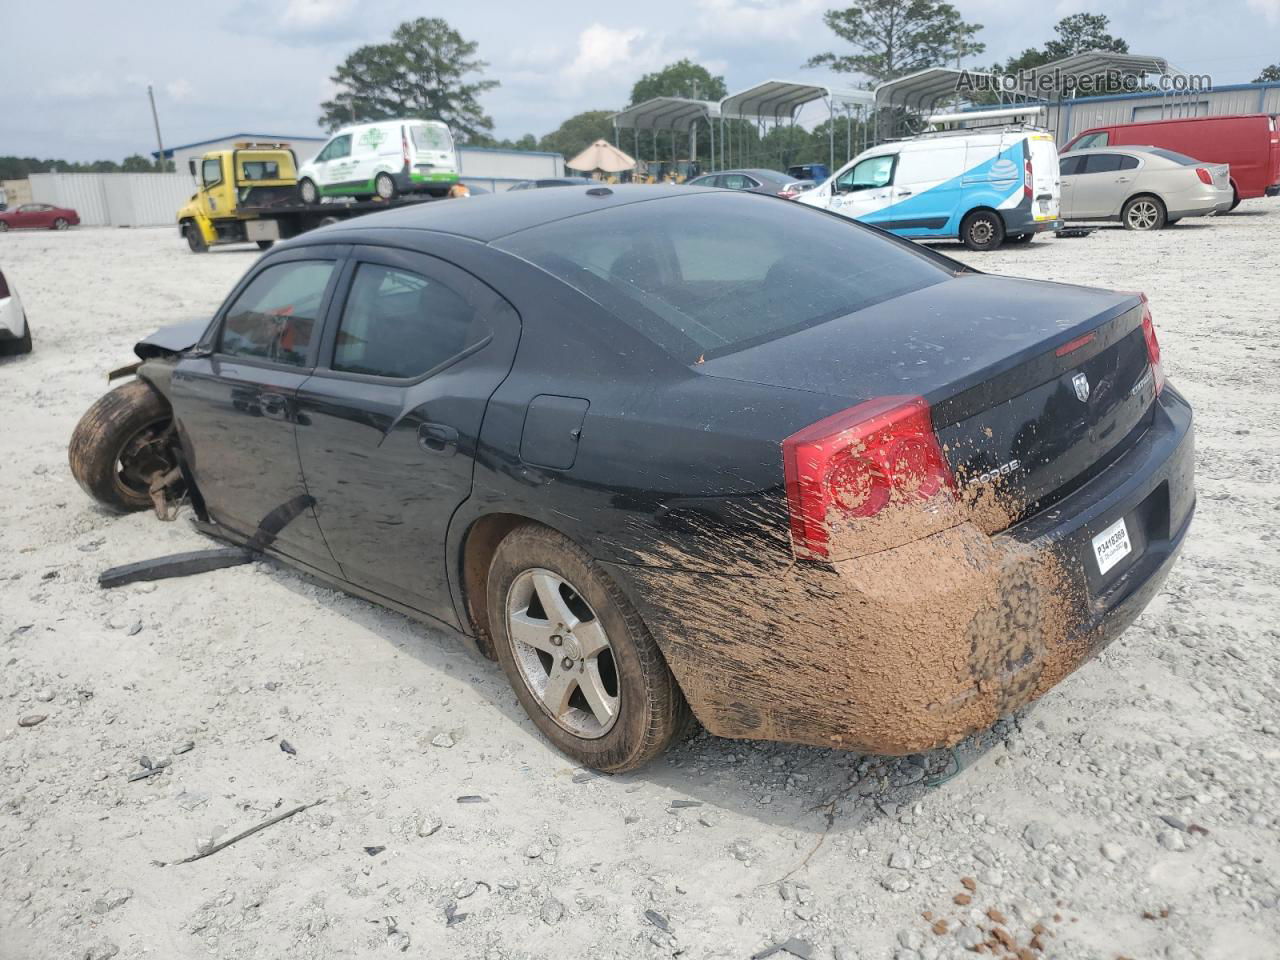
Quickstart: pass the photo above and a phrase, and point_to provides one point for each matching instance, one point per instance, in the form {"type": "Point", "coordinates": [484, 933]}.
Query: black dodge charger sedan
{"type": "Point", "coordinates": [672, 453]}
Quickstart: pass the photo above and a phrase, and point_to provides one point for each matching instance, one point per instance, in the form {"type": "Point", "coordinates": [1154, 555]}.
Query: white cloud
{"type": "Point", "coordinates": [1269, 9]}
{"type": "Point", "coordinates": [315, 14]}
{"type": "Point", "coordinates": [179, 90]}
{"type": "Point", "coordinates": [616, 57]}
{"type": "Point", "coordinates": [751, 20]}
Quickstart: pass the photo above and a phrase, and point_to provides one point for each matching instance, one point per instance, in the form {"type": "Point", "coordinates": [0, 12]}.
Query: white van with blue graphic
{"type": "Point", "coordinates": [983, 188]}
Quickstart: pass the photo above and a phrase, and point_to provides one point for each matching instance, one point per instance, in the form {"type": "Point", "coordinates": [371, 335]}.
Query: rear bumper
{"type": "Point", "coordinates": [919, 646]}
{"type": "Point", "coordinates": [13, 322]}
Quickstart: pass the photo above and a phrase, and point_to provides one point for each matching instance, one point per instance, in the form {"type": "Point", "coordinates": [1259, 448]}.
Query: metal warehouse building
{"type": "Point", "coordinates": [1069, 117]}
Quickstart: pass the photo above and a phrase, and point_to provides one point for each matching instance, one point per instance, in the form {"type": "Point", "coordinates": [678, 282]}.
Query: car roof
{"type": "Point", "coordinates": [486, 218]}
{"type": "Point", "coordinates": [1125, 148]}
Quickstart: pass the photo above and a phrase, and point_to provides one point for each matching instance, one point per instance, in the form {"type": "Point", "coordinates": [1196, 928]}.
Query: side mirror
{"type": "Point", "coordinates": [191, 165]}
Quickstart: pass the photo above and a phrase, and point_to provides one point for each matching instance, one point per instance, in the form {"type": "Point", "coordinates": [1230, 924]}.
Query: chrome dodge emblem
{"type": "Point", "coordinates": [1081, 383]}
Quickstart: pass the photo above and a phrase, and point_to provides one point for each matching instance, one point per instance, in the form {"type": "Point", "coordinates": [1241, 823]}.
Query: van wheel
{"type": "Point", "coordinates": [307, 191]}
{"type": "Point", "coordinates": [982, 230]}
{"type": "Point", "coordinates": [195, 239]}
{"type": "Point", "coordinates": [1143, 213]}
{"type": "Point", "coordinates": [384, 185]}
{"type": "Point", "coordinates": [119, 444]}
{"type": "Point", "coordinates": [577, 654]}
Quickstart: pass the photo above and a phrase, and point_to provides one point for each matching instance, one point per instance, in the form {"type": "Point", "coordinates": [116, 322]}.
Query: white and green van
{"type": "Point", "coordinates": [382, 159]}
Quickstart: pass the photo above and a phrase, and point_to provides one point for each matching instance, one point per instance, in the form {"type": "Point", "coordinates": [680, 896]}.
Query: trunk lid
{"type": "Point", "coordinates": [1033, 387]}
{"type": "Point", "coordinates": [1220, 172]}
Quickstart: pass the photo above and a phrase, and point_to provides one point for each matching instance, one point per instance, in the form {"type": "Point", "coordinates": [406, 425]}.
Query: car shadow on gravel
{"type": "Point", "coordinates": [777, 784]}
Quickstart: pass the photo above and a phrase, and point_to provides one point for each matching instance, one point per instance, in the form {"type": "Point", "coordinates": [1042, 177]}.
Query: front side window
{"type": "Point", "coordinates": [1092, 140]}
{"type": "Point", "coordinates": [1070, 166]}
{"type": "Point", "coordinates": [401, 324]}
{"type": "Point", "coordinates": [211, 172]}
{"type": "Point", "coordinates": [275, 316]}
{"type": "Point", "coordinates": [707, 274]}
{"type": "Point", "coordinates": [338, 148]}
{"type": "Point", "coordinates": [870, 174]}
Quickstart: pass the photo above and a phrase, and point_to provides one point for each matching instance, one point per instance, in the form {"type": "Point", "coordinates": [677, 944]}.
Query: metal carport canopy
{"type": "Point", "coordinates": [778, 99]}
{"type": "Point", "coordinates": [1093, 62]}
{"type": "Point", "coordinates": [921, 91]}
{"type": "Point", "coordinates": [666, 113]}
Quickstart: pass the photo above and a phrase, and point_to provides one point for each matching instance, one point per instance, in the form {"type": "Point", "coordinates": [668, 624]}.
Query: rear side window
{"type": "Point", "coordinates": [1102, 163]}
{"type": "Point", "coordinates": [401, 324]}
{"type": "Point", "coordinates": [274, 317]}
{"type": "Point", "coordinates": [711, 273]}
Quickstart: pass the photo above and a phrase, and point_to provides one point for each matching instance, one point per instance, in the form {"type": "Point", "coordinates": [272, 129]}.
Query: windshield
{"type": "Point", "coordinates": [427, 137]}
{"type": "Point", "coordinates": [711, 273]}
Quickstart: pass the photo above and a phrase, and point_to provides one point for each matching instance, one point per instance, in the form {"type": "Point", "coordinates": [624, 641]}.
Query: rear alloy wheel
{"type": "Point", "coordinates": [1143, 213]}
{"type": "Point", "coordinates": [60, 223]}
{"type": "Point", "coordinates": [384, 185]}
{"type": "Point", "coordinates": [120, 445]}
{"type": "Point", "coordinates": [308, 193]}
{"type": "Point", "coordinates": [577, 654]}
{"type": "Point", "coordinates": [982, 230]}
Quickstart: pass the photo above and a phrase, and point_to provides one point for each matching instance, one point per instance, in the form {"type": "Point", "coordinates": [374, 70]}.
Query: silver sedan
{"type": "Point", "coordinates": [1144, 188]}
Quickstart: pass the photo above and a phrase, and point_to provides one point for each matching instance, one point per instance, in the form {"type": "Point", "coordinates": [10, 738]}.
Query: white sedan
{"type": "Point", "coordinates": [1144, 188]}
{"type": "Point", "coordinates": [15, 332]}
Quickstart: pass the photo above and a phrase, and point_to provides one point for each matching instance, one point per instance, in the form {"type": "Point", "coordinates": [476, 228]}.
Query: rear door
{"type": "Point", "coordinates": [1046, 189]}
{"type": "Point", "coordinates": [236, 405]}
{"type": "Point", "coordinates": [387, 426]}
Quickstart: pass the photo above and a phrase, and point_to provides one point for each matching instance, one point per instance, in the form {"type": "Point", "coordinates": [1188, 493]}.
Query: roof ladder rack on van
{"type": "Point", "coordinates": [1026, 117]}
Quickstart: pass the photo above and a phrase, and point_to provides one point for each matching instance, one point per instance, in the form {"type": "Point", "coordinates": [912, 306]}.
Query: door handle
{"type": "Point", "coordinates": [903, 193]}
{"type": "Point", "coordinates": [1122, 179]}
{"type": "Point", "coordinates": [438, 438]}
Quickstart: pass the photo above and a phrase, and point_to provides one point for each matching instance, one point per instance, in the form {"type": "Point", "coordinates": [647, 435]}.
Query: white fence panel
{"type": "Point", "coordinates": [116, 199]}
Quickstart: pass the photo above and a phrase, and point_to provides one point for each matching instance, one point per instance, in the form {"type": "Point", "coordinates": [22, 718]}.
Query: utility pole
{"type": "Point", "coordinates": [155, 118]}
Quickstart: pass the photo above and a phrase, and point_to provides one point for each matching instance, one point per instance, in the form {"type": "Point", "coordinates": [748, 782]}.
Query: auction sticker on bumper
{"type": "Point", "coordinates": [1111, 545]}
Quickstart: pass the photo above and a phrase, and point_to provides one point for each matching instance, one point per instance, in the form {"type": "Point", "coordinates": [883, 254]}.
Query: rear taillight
{"type": "Point", "coordinates": [1153, 345]}
{"type": "Point", "coordinates": [1027, 176]}
{"type": "Point", "coordinates": [853, 464]}
{"type": "Point", "coordinates": [1204, 175]}
{"type": "Point", "coordinates": [4, 287]}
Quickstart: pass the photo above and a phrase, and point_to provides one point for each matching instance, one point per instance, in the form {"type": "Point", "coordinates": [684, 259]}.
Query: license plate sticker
{"type": "Point", "coordinates": [1112, 545]}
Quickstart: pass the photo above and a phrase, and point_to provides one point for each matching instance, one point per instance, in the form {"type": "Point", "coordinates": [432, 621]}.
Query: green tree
{"type": "Point", "coordinates": [1078, 33]}
{"type": "Point", "coordinates": [897, 37]}
{"type": "Point", "coordinates": [421, 72]}
{"type": "Point", "coordinates": [684, 78]}
{"type": "Point", "coordinates": [136, 163]}
{"type": "Point", "coordinates": [527, 142]}
{"type": "Point", "coordinates": [1269, 74]}
{"type": "Point", "coordinates": [579, 132]}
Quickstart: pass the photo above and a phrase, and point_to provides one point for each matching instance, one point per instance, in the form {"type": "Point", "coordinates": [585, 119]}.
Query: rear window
{"type": "Point", "coordinates": [712, 273]}
{"type": "Point", "coordinates": [427, 137]}
{"type": "Point", "coordinates": [1181, 158]}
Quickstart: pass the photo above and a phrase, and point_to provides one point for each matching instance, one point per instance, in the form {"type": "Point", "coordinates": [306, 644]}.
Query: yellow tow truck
{"type": "Point", "coordinates": [249, 194]}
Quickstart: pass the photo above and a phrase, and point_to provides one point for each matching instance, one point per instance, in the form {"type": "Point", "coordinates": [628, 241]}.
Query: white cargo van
{"type": "Point", "coordinates": [981, 186]}
{"type": "Point", "coordinates": [382, 159]}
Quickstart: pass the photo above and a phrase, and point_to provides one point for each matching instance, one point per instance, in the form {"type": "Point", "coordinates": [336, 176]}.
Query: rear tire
{"type": "Point", "coordinates": [118, 444]}
{"type": "Point", "coordinates": [308, 193]}
{"type": "Point", "coordinates": [1235, 197]}
{"type": "Point", "coordinates": [14, 348]}
{"type": "Point", "coordinates": [1143, 213]}
{"type": "Point", "coordinates": [585, 612]}
{"type": "Point", "coordinates": [384, 185]}
{"type": "Point", "coordinates": [982, 230]}
{"type": "Point", "coordinates": [195, 239]}
{"type": "Point", "coordinates": [4, 225]}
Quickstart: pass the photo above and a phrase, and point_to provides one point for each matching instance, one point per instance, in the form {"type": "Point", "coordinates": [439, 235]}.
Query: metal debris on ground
{"type": "Point", "coordinates": [214, 848]}
{"type": "Point", "coordinates": [288, 748]}
{"type": "Point", "coordinates": [792, 945]}
{"type": "Point", "coordinates": [658, 920]}
{"type": "Point", "coordinates": [374, 851]}
{"type": "Point", "coordinates": [472, 798]}
{"type": "Point", "coordinates": [682, 804]}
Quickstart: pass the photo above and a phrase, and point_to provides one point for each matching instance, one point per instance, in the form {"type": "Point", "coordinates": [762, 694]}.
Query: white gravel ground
{"type": "Point", "coordinates": [1132, 813]}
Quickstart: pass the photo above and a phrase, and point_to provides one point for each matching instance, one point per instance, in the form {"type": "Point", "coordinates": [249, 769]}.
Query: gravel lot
{"type": "Point", "coordinates": [1134, 812]}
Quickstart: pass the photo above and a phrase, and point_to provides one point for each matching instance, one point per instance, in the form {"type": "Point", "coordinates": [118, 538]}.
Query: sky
{"type": "Point", "coordinates": [74, 73]}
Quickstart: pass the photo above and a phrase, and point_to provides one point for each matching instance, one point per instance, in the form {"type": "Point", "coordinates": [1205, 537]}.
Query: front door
{"type": "Point", "coordinates": [334, 164]}
{"type": "Point", "coordinates": [388, 425]}
{"type": "Point", "coordinates": [865, 190]}
{"type": "Point", "coordinates": [1100, 188]}
{"type": "Point", "coordinates": [236, 405]}
{"type": "Point", "coordinates": [1068, 170]}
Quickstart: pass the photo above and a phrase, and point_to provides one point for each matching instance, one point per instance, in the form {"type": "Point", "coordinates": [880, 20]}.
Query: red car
{"type": "Point", "coordinates": [1250, 143]}
{"type": "Point", "coordinates": [39, 215]}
